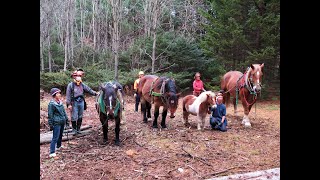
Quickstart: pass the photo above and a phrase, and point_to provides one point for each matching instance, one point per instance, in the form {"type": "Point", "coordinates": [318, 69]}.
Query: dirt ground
{"type": "Point", "coordinates": [176, 153]}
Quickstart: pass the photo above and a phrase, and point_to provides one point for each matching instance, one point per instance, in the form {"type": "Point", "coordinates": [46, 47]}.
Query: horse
{"type": "Point", "coordinates": [198, 106]}
{"type": "Point", "coordinates": [161, 91]}
{"type": "Point", "coordinates": [245, 85]}
{"type": "Point", "coordinates": [109, 105]}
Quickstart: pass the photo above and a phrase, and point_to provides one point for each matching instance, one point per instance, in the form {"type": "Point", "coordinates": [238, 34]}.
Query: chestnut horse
{"type": "Point", "coordinates": [161, 91]}
{"type": "Point", "coordinates": [198, 106]}
{"type": "Point", "coordinates": [247, 86]}
{"type": "Point", "coordinates": [109, 105]}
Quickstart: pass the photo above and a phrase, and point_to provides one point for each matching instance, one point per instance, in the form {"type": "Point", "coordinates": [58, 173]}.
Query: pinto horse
{"type": "Point", "coordinates": [198, 106]}
{"type": "Point", "coordinates": [109, 105]}
{"type": "Point", "coordinates": [160, 91]}
{"type": "Point", "coordinates": [247, 86]}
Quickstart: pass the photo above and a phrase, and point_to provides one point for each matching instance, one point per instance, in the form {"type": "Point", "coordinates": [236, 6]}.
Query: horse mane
{"type": "Point", "coordinates": [203, 96]}
{"type": "Point", "coordinates": [169, 85]}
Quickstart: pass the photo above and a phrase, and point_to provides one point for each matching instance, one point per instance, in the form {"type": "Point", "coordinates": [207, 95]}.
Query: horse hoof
{"type": "Point", "coordinates": [247, 125]}
{"type": "Point", "coordinates": [117, 142]}
{"type": "Point", "coordinates": [154, 129]}
{"type": "Point", "coordinates": [105, 142]}
{"type": "Point", "coordinates": [145, 121]}
{"type": "Point", "coordinates": [155, 126]}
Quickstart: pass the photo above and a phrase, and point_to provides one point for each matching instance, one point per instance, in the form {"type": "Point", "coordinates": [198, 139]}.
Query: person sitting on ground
{"type": "Point", "coordinates": [218, 120]}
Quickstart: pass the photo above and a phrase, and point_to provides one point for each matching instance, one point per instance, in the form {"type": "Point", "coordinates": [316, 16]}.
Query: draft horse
{"type": "Point", "coordinates": [160, 91]}
{"type": "Point", "coordinates": [109, 105]}
{"type": "Point", "coordinates": [245, 86]}
{"type": "Point", "coordinates": [198, 106]}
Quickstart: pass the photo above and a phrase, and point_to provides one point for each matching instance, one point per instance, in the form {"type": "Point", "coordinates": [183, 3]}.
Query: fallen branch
{"type": "Point", "coordinates": [46, 138]}
{"type": "Point", "coordinates": [146, 163]}
{"type": "Point", "coordinates": [196, 157]}
{"type": "Point", "coordinates": [219, 172]}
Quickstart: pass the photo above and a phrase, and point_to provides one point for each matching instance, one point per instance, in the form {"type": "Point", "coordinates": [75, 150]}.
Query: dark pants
{"type": "Point", "coordinates": [56, 137]}
{"type": "Point", "coordinates": [137, 102]}
{"type": "Point", "coordinates": [214, 122]}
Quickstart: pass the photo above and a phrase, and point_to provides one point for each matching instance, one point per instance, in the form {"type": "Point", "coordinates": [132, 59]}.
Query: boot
{"type": "Point", "coordinates": [79, 122]}
{"type": "Point", "coordinates": [74, 127]}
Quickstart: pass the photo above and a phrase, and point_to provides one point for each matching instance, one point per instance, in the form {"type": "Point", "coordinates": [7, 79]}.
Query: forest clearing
{"type": "Point", "coordinates": [175, 153]}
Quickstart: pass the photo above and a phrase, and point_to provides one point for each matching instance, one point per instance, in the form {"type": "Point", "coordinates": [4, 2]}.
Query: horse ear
{"type": "Point", "coordinates": [252, 66]}
{"type": "Point", "coordinates": [262, 65]}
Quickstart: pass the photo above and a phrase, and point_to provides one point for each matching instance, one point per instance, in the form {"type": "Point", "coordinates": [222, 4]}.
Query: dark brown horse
{"type": "Point", "coordinates": [161, 91]}
{"type": "Point", "coordinates": [198, 106]}
{"type": "Point", "coordinates": [245, 86]}
{"type": "Point", "coordinates": [109, 105]}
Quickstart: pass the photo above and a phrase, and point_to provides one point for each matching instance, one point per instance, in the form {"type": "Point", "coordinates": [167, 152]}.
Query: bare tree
{"type": "Point", "coordinates": [116, 6]}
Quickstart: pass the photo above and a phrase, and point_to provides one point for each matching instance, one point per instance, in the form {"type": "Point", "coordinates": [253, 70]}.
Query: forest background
{"type": "Point", "coordinates": [115, 39]}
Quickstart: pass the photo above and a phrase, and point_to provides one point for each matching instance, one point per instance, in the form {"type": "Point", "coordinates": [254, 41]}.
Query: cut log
{"type": "Point", "coordinates": [47, 137]}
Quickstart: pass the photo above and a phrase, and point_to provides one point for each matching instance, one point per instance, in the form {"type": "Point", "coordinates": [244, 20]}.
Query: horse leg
{"type": "Point", "coordinates": [156, 115]}
{"type": "Point", "coordinates": [246, 120]}
{"type": "Point", "coordinates": [143, 111]}
{"type": "Point", "coordinates": [104, 122]}
{"type": "Point", "coordinates": [117, 130]}
{"type": "Point", "coordinates": [148, 105]}
{"type": "Point", "coordinates": [200, 125]}
{"type": "Point", "coordinates": [185, 118]}
{"type": "Point", "coordinates": [164, 115]}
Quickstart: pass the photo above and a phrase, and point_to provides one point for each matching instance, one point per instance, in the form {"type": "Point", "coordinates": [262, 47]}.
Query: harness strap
{"type": "Point", "coordinates": [102, 106]}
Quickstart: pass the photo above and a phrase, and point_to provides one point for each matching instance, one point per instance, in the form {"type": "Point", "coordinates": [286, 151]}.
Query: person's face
{"type": "Point", "coordinates": [198, 76]}
{"type": "Point", "coordinates": [58, 95]}
{"type": "Point", "coordinates": [141, 75]}
{"type": "Point", "coordinates": [220, 99]}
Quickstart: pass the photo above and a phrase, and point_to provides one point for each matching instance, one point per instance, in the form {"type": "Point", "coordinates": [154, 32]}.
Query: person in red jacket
{"type": "Point", "coordinates": [197, 85]}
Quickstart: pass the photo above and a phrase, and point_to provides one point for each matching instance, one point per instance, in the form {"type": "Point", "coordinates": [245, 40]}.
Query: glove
{"type": "Point", "coordinates": [51, 128]}
{"type": "Point", "coordinates": [214, 106]}
{"type": "Point", "coordinates": [219, 123]}
{"type": "Point", "coordinates": [135, 95]}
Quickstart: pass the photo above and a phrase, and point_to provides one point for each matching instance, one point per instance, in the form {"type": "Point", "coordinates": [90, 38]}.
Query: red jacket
{"type": "Point", "coordinates": [197, 85]}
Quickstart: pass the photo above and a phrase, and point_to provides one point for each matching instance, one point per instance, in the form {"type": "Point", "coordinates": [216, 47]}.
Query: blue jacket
{"type": "Point", "coordinates": [219, 111]}
{"type": "Point", "coordinates": [56, 113]}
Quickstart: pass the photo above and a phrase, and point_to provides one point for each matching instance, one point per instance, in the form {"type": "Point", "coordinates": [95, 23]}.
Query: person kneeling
{"type": "Point", "coordinates": [218, 120]}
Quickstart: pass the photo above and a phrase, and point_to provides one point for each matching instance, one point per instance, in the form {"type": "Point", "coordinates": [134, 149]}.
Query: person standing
{"type": "Point", "coordinates": [75, 99]}
{"type": "Point", "coordinates": [218, 120]}
{"type": "Point", "coordinates": [57, 119]}
{"type": "Point", "coordinates": [135, 88]}
{"type": "Point", "coordinates": [197, 85]}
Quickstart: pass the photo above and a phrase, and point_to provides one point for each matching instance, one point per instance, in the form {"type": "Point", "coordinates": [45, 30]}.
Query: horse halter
{"type": "Point", "coordinates": [250, 84]}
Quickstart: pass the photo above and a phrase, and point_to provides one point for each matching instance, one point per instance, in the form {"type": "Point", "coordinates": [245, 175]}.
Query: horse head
{"type": "Point", "coordinates": [109, 98]}
{"type": "Point", "coordinates": [255, 75]}
{"type": "Point", "coordinates": [172, 97]}
{"type": "Point", "coordinates": [211, 98]}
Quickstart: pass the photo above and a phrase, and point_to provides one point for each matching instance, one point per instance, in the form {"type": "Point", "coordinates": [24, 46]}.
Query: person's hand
{"type": "Point", "coordinates": [135, 95]}
{"type": "Point", "coordinates": [97, 93]}
{"type": "Point", "coordinates": [214, 106]}
{"type": "Point", "coordinates": [67, 123]}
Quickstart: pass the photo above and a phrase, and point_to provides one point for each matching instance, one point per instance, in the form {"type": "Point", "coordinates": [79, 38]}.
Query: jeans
{"type": "Point", "coordinates": [77, 110]}
{"type": "Point", "coordinates": [214, 124]}
{"type": "Point", "coordinates": [56, 137]}
{"type": "Point", "coordinates": [137, 102]}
